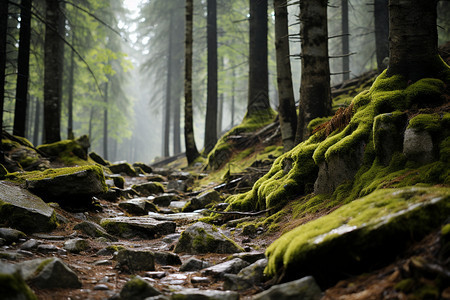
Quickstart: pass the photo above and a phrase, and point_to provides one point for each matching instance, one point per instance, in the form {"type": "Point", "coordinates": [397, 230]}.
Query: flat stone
{"type": "Point", "coordinates": [138, 288]}
{"type": "Point", "coordinates": [11, 235]}
{"type": "Point", "coordinates": [94, 230]}
{"type": "Point", "coordinates": [101, 287]}
{"type": "Point", "coordinates": [144, 227]}
{"type": "Point", "coordinates": [167, 258]}
{"type": "Point", "coordinates": [194, 264]}
{"type": "Point", "coordinates": [177, 205]}
{"type": "Point", "coordinates": [176, 217]}
{"type": "Point", "coordinates": [195, 294]}
{"type": "Point", "coordinates": [22, 210]}
{"type": "Point", "coordinates": [171, 238]}
{"type": "Point", "coordinates": [231, 267]}
{"type": "Point", "coordinates": [198, 279]}
{"type": "Point", "coordinates": [135, 260]}
{"type": "Point", "coordinates": [156, 274]}
{"type": "Point", "coordinates": [305, 289]}
{"type": "Point", "coordinates": [249, 257]}
{"type": "Point", "coordinates": [47, 248]}
{"type": "Point", "coordinates": [10, 255]}
{"type": "Point", "coordinates": [103, 262]}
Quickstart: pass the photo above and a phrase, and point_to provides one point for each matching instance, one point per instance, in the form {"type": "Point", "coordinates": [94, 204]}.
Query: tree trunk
{"type": "Point", "coordinates": [220, 114]}
{"type": "Point", "coordinates": [286, 108]}
{"type": "Point", "coordinates": [191, 148]}
{"type": "Point", "coordinates": [258, 89]}
{"type": "Point", "coordinates": [3, 35]}
{"type": "Point", "coordinates": [23, 63]}
{"type": "Point", "coordinates": [30, 115]}
{"type": "Point", "coordinates": [413, 39]}
{"type": "Point", "coordinates": [211, 102]}
{"type": "Point", "coordinates": [381, 14]}
{"type": "Point", "coordinates": [53, 71]}
{"type": "Point", "coordinates": [37, 123]}
{"type": "Point", "coordinates": [315, 98]}
{"type": "Point", "coordinates": [233, 90]}
{"type": "Point", "coordinates": [91, 119]}
{"type": "Point", "coordinates": [105, 124]}
{"type": "Point", "coordinates": [167, 114]}
{"type": "Point", "coordinates": [176, 96]}
{"type": "Point", "coordinates": [70, 134]}
{"type": "Point", "coordinates": [345, 41]}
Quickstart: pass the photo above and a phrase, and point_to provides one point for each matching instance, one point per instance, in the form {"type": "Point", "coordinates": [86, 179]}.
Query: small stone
{"type": "Point", "coordinates": [156, 274]}
{"type": "Point", "coordinates": [94, 230]}
{"type": "Point", "coordinates": [143, 227]}
{"type": "Point", "coordinates": [76, 245]}
{"type": "Point", "coordinates": [30, 244]}
{"type": "Point", "coordinates": [47, 248]}
{"type": "Point", "coordinates": [198, 279]}
{"type": "Point", "coordinates": [305, 288]}
{"type": "Point", "coordinates": [194, 264]}
{"type": "Point", "coordinates": [167, 258]}
{"type": "Point", "coordinates": [171, 238]}
{"type": "Point", "coordinates": [249, 257]}
{"type": "Point", "coordinates": [194, 294]}
{"type": "Point", "coordinates": [165, 199]}
{"type": "Point", "coordinates": [101, 287]}
{"type": "Point", "coordinates": [11, 235]}
{"type": "Point", "coordinates": [137, 288]}
{"type": "Point", "coordinates": [231, 267]}
{"type": "Point", "coordinates": [148, 188]}
{"type": "Point", "coordinates": [103, 262]}
{"type": "Point", "coordinates": [135, 260]}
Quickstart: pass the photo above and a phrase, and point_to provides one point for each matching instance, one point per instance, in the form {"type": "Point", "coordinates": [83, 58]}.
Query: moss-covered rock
{"type": "Point", "coordinates": [135, 260]}
{"type": "Point", "coordinates": [69, 152]}
{"type": "Point", "coordinates": [144, 167]}
{"type": "Point", "coordinates": [98, 159]}
{"type": "Point", "coordinates": [22, 210]}
{"type": "Point", "coordinates": [204, 238]}
{"type": "Point", "coordinates": [94, 230]}
{"type": "Point", "coordinates": [148, 188]}
{"type": "Point", "coordinates": [137, 288]}
{"type": "Point", "coordinates": [123, 168]}
{"type": "Point", "coordinates": [12, 284]}
{"type": "Point", "coordinates": [360, 235]}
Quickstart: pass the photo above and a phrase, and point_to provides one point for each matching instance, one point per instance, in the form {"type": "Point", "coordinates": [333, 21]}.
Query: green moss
{"type": "Point", "coordinates": [316, 122]}
{"type": "Point", "coordinates": [445, 231]}
{"type": "Point", "coordinates": [42, 265]}
{"type": "Point", "coordinates": [428, 122]}
{"type": "Point", "coordinates": [406, 285]}
{"type": "Point", "coordinates": [68, 152]}
{"type": "Point", "coordinates": [14, 287]}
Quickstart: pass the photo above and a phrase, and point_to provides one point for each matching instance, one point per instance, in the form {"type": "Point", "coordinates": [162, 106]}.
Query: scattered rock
{"type": "Point", "coordinates": [195, 294]}
{"type": "Point", "coordinates": [418, 146]}
{"type": "Point", "coordinates": [171, 238]}
{"type": "Point", "coordinates": [110, 250]}
{"type": "Point", "coordinates": [194, 264]}
{"type": "Point", "coordinates": [198, 279]}
{"type": "Point", "coordinates": [175, 216]}
{"type": "Point", "coordinates": [98, 159]}
{"type": "Point", "coordinates": [167, 258]}
{"type": "Point", "coordinates": [135, 260]}
{"type": "Point", "coordinates": [179, 185]}
{"type": "Point", "coordinates": [165, 199]}
{"type": "Point", "coordinates": [94, 230]}
{"type": "Point", "coordinates": [137, 289]}
{"type": "Point", "coordinates": [22, 210]}
{"type": "Point", "coordinates": [247, 277]}
{"type": "Point", "coordinates": [202, 200]}
{"type": "Point", "coordinates": [249, 257]}
{"type": "Point", "coordinates": [144, 227]}
{"type": "Point", "coordinates": [30, 244]}
{"type": "Point", "coordinates": [138, 206]}
{"type": "Point", "coordinates": [10, 255]}
{"type": "Point", "coordinates": [156, 274]}
{"type": "Point", "coordinates": [144, 167]}
{"type": "Point", "coordinates": [47, 248]}
{"type": "Point", "coordinates": [177, 205]}
{"type": "Point", "coordinates": [12, 285]}
{"type": "Point", "coordinates": [64, 150]}
{"type": "Point", "coordinates": [231, 267]}
{"type": "Point", "coordinates": [148, 188]}
{"type": "Point", "coordinates": [204, 238]}
{"type": "Point", "coordinates": [11, 235]}
{"type": "Point", "coordinates": [76, 245]}
{"type": "Point", "coordinates": [103, 262]}
{"type": "Point", "coordinates": [101, 287]}
{"type": "Point", "coordinates": [47, 273]}
{"type": "Point", "coordinates": [305, 289]}
{"type": "Point", "coordinates": [123, 168]}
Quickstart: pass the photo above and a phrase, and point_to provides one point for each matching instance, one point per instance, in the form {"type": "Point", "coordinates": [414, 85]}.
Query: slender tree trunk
{"type": "Point", "coordinates": [37, 123]}
{"type": "Point", "coordinates": [258, 88]}
{"type": "Point", "coordinates": [233, 90]}
{"type": "Point", "coordinates": [3, 35]}
{"type": "Point", "coordinates": [91, 119]}
{"type": "Point", "coordinates": [211, 102]}
{"type": "Point", "coordinates": [345, 41]}
{"type": "Point", "coordinates": [381, 14]}
{"type": "Point", "coordinates": [70, 134]}
{"type": "Point", "coordinates": [286, 109]}
{"type": "Point", "coordinates": [168, 90]}
{"type": "Point", "coordinates": [220, 114]}
{"type": "Point", "coordinates": [176, 96]}
{"type": "Point", "coordinates": [191, 148]}
{"type": "Point", "coordinates": [413, 39]}
{"type": "Point", "coordinates": [315, 97]}
{"type": "Point", "coordinates": [105, 124]}
{"type": "Point", "coordinates": [23, 63]}
{"type": "Point", "coordinates": [30, 114]}
{"type": "Point", "coordinates": [53, 71]}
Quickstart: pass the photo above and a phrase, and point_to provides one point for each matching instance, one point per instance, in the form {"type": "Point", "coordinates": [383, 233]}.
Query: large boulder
{"type": "Point", "coordinates": [22, 210]}
{"type": "Point", "coordinates": [68, 186]}
{"type": "Point", "coordinates": [204, 238]}
{"type": "Point", "coordinates": [144, 227]}
{"type": "Point", "coordinates": [12, 285]}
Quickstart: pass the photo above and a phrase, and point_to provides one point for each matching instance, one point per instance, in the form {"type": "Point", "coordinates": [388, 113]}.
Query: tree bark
{"type": "Point", "coordinates": [167, 114]}
{"type": "Point", "coordinates": [258, 88]}
{"type": "Point", "coordinates": [345, 41]}
{"type": "Point", "coordinates": [70, 134]}
{"type": "Point", "coordinates": [315, 96]}
{"type": "Point", "coordinates": [233, 90]}
{"type": "Point", "coordinates": [3, 35]}
{"type": "Point", "coordinates": [286, 108]}
{"type": "Point", "coordinates": [413, 39]}
{"type": "Point", "coordinates": [191, 148]}
{"type": "Point", "coordinates": [23, 67]}
{"type": "Point", "coordinates": [53, 71]}
{"type": "Point", "coordinates": [105, 124]}
{"type": "Point", "coordinates": [381, 14]}
{"type": "Point", "coordinates": [211, 102]}
{"type": "Point", "coordinates": [37, 123]}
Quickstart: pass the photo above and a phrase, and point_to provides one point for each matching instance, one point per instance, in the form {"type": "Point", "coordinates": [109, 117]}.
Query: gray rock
{"type": "Point", "coordinates": [10, 255]}
{"type": "Point", "coordinates": [2, 242]}
{"type": "Point", "coordinates": [156, 274]}
{"type": "Point", "coordinates": [22, 210]}
{"type": "Point", "coordinates": [196, 294]}
{"type": "Point", "coordinates": [305, 289]}
{"type": "Point", "coordinates": [103, 262]}
{"type": "Point", "coordinates": [171, 238]}
{"type": "Point", "coordinates": [249, 257]}
{"type": "Point", "coordinates": [144, 167]}
{"type": "Point", "coordinates": [165, 199]}
{"type": "Point", "coordinates": [198, 279]}
{"type": "Point", "coordinates": [418, 146]}
{"type": "Point", "coordinates": [76, 187]}
{"type": "Point", "coordinates": [135, 260]}
{"type": "Point", "coordinates": [177, 205]}
{"type": "Point", "coordinates": [181, 175]}
{"type": "Point", "coordinates": [338, 169]}
{"type": "Point", "coordinates": [231, 267]}
{"type": "Point", "coordinates": [159, 297]}
{"type": "Point", "coordinates": [123, 168]}
{"type": "Point", "coordinates": [94, 230]}
{"type": "Point", "coordinates": [203, 200]}
{"type": "Point", "coordinates": [138, 206]}
{"type": "Point", "coordinates": [98, 159]}
{"type": "Point", "coordinates": [144, 227]}
{"type": "Point", "coordinates": [110, 250]}
{"type": "Point", "coordinates": [47, 248]}
{"type": "Point", "coordinates": [118, 180]}
{"type": "Point", "coordinates": [49, 273]}
{"type": "Point", "coordinates": [247, 277]}
{"type": "Point", "coordinates": [138, 289]}
{"type": "Point", "coordinates": [101, 287]}
{"type": "Point", "coordinates": [176, 217]}
{"type": "Point", "coordinates": [204, 238]}
{"type": "Point", "coordinates": [13, 286]}
{"type": "Point", "coordinates": [148, 188]}
{"type": "Point", "coordinates": [167, 258]}
{"type": "Point", "coordinates": [76, 245]}
{"type": "Point", "coordinates": [178, 185]}
{"type": "Point", "coordinates": [194, 264]}
{"type": "Point", "coordinates": [11, 235]}
{"type": "Point", "coordinates": [388, 132]}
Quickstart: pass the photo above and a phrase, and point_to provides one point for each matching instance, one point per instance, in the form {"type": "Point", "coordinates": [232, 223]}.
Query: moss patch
{"type": "Point", "coordinates": [68, 152]}
{"type": "Point", "coordinates": [13, 286]}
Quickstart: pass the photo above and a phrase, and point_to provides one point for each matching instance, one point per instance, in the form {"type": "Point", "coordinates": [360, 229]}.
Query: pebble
{"type": "Point", "coordinates": [101, 287]}
{"type": "Point", "coordinates": [156, 274]}
{"type": "Point", "coordinates": [47, 248]}
{"type": "Point", "coordinates": [103, 262]}
{"type": "Point", "coordinates": [198, 279]}
{"type": "Point", "coordinates": [30, 244]}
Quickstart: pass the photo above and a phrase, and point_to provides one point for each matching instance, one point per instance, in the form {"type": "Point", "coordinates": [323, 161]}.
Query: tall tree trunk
{"type": "Point", "coordinates": [176, 96]}
{"type": "Point", "coordinates": [381, 14]}
{"type": "Point", "coordinates": [53, 71]}
{"type": "Point", "coordinates": [211, 102]}
{"type": "Point", "coordinates": [168, 90]}
{"type": "Point", "coordinates": [3, 35]}
{"type": "Point", "coordinates": [23, 63]}
{"type": "Point", "coordinates": [37, 123]}
{"type": "Point", "coordinates": [315, 97]}
{"type": "Point", "coordinates": [191, 147]}
{"type": "Point", "coordinates": [30, 115]}
{"type": "Point", "coordinates": [233, 90]}
{"type": "Point", "coordinates": [345, 41]}
{"type": "Point", "coordinates": [105, 124]}
{"type": "Point", "coordinates": [413, 39]}
{"type": "Point", "coordinates": [220, 114]}
{"type": "Point", "coordinates": [286, 109]}
{"type": "Point", "coordinates": [258, 89]}
{"type": "Point", "coordinates": [70, 134]}
{"type": "Point", "coordinates": [91, 119]}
